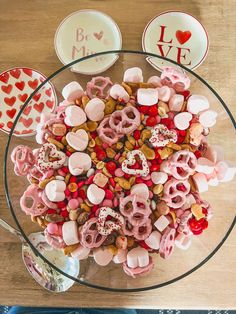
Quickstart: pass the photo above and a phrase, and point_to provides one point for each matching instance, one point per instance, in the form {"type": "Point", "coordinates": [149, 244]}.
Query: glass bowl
{"type": "Point", "coordinates": [222, 197]}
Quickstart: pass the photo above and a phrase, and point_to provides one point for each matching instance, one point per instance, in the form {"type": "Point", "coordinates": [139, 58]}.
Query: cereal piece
{"type": "Point", "coordinates": [58, 129]}
{"type": "Point", "coordinates": [85, 207]}
{"type": "Point", "coordinates": [196, 210]}
{"type": "Point", "coordinates": [127, 88]}
{"type": "Point", "coordinates": [81, 127]}
{"type": "Point", "coordinates": [100, 165]}
{"type": "Point", "coordinates": [92, 126]}
{"type": "Point", "coordinates": [110, 106]}
{"type": "Point", "coordinates": [110, 152]}
{"type": "Point", "coordinates": [74, 214]}
{"type": "Point", "coordinates": [55, 142]}
{"type": "Point", "coordinates": [83, 217]}
{"type": "Point", "coordinates": [148, 152]}
{"type": "Point", "coordinates": [158, 189]}
{"type": "Point", "coordinates": [70, 248]}
{"type": "Point", "coordinates": [85, 100]}
{"type": "Point", "coordinates": [165, 152]}
{"type": "Point", "coordinates": [125, 184]}
{"type": "Point", "coordinates": [162, 208]}
{"type": "Point", "coordinates": [119, 145]}
{"type": "Point", "coordinates": [43, 183]}
{"type": "Point", "coordinates": [145, 134]}
{"type": "Point", "coordinates": [128, 145]}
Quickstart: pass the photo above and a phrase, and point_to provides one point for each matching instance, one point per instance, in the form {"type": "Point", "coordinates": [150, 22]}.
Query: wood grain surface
{"type": "Point", "coordinates": [27, 30]}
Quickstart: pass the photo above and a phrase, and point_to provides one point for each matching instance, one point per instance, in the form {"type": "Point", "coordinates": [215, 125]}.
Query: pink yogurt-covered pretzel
{"type": "Point", "coordinates": [167, 242]}
{"type": "Point", "coordinates": [99, 86]}
{"type": "Point", "coordinates": [180, 165]}
{"type": "Point", "coordinates": [175, 192]}
{"type": "Point", "coordinates": [183, 227]}
{"type": "Point", "coordinates": [54, 240]}
{"type": "Point", "coordinates": [161, 136]}
{"type": "Point", "coordinates": [140, 232]}
{"type": "Point", "coordinates": [45, 152]}
{"type": "Point", "coordinates": [23, 159]}
{"type": "Point", "coordinates": [175, 78]}
{"type": "Point", "coordinates": [126, 120]}
{"type": "Point", "coordinates": [136, 209]}
{"type": "Point", "coordinates": [138, 271]}
{"type": "Point", "coordinates": [106, 133]}
{"type": "Point", "coordinates": [104, 226]}
{"type": "Point", "coordinates": [90, 237]}
{"type": "Point", "coordinates": [35, 194]}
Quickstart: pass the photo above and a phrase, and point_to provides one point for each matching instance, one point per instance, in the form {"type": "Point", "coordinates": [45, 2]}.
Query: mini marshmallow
{"type": "Point", "coordinates": [74, 116]}
{"type": "Point", "coordinates": [204, 165]}
{"type": "Point", "coordinates": [133, 75]}
{"type": "Point", "coordinates": [95, 194]}
{"type": "Point", "coordinates": [55, 190]}
{"type": "Point", "coordinates": [182, 242]}
{"type": "Point", "coordinates": [100, 179]}
{"type": "Point", "coordinates": [102, 256]}
{"type": "Point", "coordinates": [95, 109]}
{"type": "Point", "coordinates": [155, 81]}
{"type": "Point", "coordinates": [197, 103]}
{"type": "Point", "coordinates": [161, 223]}
{"type": "Point", "coordinates": [72, 91]}
{"type": "Point", "coordinates": [118, 92]}
{"type": "Point", "coordinates": [70, 232]}
{"type": "Point", "coordinates": [120, 257]}
{"type": "Point", "coordinates": [147, 96]}
{"type": "Point", "coordinates": [200, 182]}
{"type": "Point", "coordinates": [79, 163]}
{"type": "Point", "coordinates": [80, 252]}
{"type": "Point", "coordinates": [164, 93]}
{"type": "Point", "coordinates": [176, 102]}
{"type": "Point", "coordinates": [159, 177]}
{"type": "Point", "coordinates": [141, 190]}
{"type": "Point", "coordinates": [154, 239]}
{"type": "Point", "coordinates": [208, 118]}
{"type": "Point", "coordinates": [137, 257]}
{"type": "Point", "coordinates": [181, 120]}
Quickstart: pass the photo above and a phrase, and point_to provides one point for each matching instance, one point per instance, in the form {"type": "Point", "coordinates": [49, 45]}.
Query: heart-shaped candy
{"type": "Point", "coordinates": [208, 118]}
{"type": "Point", "coordinates": [78, 163]}
{"type": "Point", "coordinates": [197, 103]}
{"type": "Point", "coordinates": [72, 91]}
{"type": "Point", "coordinates": [130, 161]}
{"type": "Point", "coordinates": [181, 120]}
{"type": "Point", "coordinates": [137, 257]}
{"type": "Point", "coordinates": [147, 96]}
{"type": "Point", "coordinates": [55, 190]}
{"type": "Point", "coordinates": [141, 190]}
{"type": "Point", "coordinates": [161, 136]}
{"type": "Point", "coordinates": [102, 256]}
{"type": "Point", "coordinates": [95, 194]}
{"type": "Point", "coordinates": [95, 109]}
{"type": "Point", "coordinates": [154, 239]}
{"type": "Point", "coordinates": [74, 116]}
{"type": "Point", "coordinates": [78, 140]}
{"type": "Point", "coordinates": [46, 152]}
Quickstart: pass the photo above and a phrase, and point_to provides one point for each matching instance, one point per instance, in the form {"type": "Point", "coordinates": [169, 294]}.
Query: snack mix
{"type": "Point", "coordinates": [120, 169]}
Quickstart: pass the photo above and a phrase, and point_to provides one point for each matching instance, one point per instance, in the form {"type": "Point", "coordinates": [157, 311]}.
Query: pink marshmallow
{"type": "Point", "coordinates": [200, 182]}
{"type": "Point", "coordinates": [155, 81]}
{"type": "Point", "coordinates": [176, 102]}
{"type": "Point", "coordinates": [55, 190]}
{"type": "Point", "coordinates": [120, 257]}
{"type": "Point", "coordinates": [137, 257]}
{"type": "Point", "coordinates": [161, 223]}
{"type": "Point", "coordinates": [74, 116]}
{"type": "Point", "coordinates": [118, 92]}
{"type": "Point", "coordinates": [141, 190]}
{"type": "Point", "coordinates": [181, 120]}
{"type": "Point", "coordinates": [133, 75]}
{"type": "Point", "coordinates": [95, 109]}
{"type": "Point", "coordinates": [70, 232]}
{"type": "Point", "coordinates": [147, 96]}
{"type": "Point", "coordinates": [204, 165]}
{"type": "Point", "coordinates": [102, 256]}
{"type": "Point", "coordinates": [208, 118]}
{"type": "Point", "coordinates": [154, 239]}
{"type": "Point", "coordinates": [164, 93]}
{"type": "Point", "coordinates": [80, 253]}
{"type": "Point", "coordinates": [197, 103]}
{"type": "Point", "coordinates": [79, 163]}
{"type": "Point", "coordinates": [159, 177]}
{"type": "Point", "coordinates": [72, 91]}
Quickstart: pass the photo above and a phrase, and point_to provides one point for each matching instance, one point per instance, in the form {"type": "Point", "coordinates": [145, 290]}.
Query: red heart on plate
{"type": "Point", "coordinates": [33, 84]}
{"type": "Point", "coordinates": [9, 124]}
{"type": "Point", "coordinates": [7, 89]}
{"type": "Point", "coordinates": [23, 97]}
{"type": "Point", "coordinates": [27, 110]}
{"type": "Point", "coordinates": [36, 97]}
{"type": "Point", "coordinates": [4, 77]}
{"type": "Point", "coordinates": [27, 72]}
{"type": "Point", "coordinates": [37, 119]}
{"type": "Point", "coordinates": [39, 107]}
{"type": "Point", "coordinates": [183, 37]}
{"type": "Point", "coordinates": [20, 85]}
{"type": "Point", "coordinates": [48, 92]}
{"type": "Point", "coordinates": [11, 113]}
{"type": "Point", "coordinates": [27, 122]}
{"type": "Point", "coordinates": [98, 35]}
{"type": "Point", "coordinates": [50, 104]}
{"type": "Point", "coordinates": [1, 125]}
{"type": "Point", "coordinates": [10, 101]}
{"type": "Point", "coordinates": [15, 73]}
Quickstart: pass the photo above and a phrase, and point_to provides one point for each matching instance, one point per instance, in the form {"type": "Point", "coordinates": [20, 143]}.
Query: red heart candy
{"type": "Point", "coordinates": [36, 97]}
{"type": "Point", "coordinates": [27, 110]}
{"type": "Point", "coordinates": [39, 107]}
{"type": "Point", "coordinates": [27, 72]}
{"type": "Point", "coordinates": [4, 77]}
{"type": "Point", "coordinates": [20, 85]}
{"type": "Point", "coordinates": [15, 73]}
{"type": "Point", "coordinates": [9, 124]}
{"type": "Point", "coordinates": [33, 84]}
{"type": "Point", "coordinates": [10, 101]}
{"type": "Point", "coordinates": [50, 104]}
{"type": "Point", "coordinates": [182, 37]}
{"type": "Point", "coordinates": [23, 97]}
{"type": "Point", "coordinates": [7, 89]}
{"type": "Point", "coordinates": [27, 122]}
{"type": "Point", "coordinates": [11, 113]}
{"type": "Point", "coordinates": [48, 92]}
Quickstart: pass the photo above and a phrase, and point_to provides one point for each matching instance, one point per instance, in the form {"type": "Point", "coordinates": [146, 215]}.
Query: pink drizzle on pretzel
{"type": "Point", "coordinates": [106, 133]}
{"type": "Point", "coordinates": [175, 192]}
{"type": "Point", "coordinates": [23, 159]}
{"type": "Point", "coordinates": [45, 152]}
{"type": "Point", "coordinates": [35, 194]}
{"type": "Point", "coordinates": [104, 226]}
{"type": "Point", "coordinates": [161, 136]}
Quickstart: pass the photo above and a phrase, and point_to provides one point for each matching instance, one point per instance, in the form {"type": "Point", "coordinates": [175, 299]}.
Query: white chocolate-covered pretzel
{"type": "Point", "coordinates": [125, 121]}
{"type": "Point", "coordinates": [104, 226]}
{"type": "Point", "coordinates": [131, 160]}
{"type": "Point", "coordinates": [161, 136]}
{"type": "Point", "coordinates": [47, 151]}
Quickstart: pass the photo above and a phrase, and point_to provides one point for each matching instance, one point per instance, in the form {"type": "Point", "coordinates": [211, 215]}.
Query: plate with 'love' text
{"type": "Point", "coordinates": [177, 36]}
{"type": "Point", "coordinates": [16, 85]}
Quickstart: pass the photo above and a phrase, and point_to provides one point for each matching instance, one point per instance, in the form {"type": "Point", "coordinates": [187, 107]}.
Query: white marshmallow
{"type": "Point", "coordinates": [72, 91]}
{"type": "Point", "coordinates": [133, 75]}
{"type": "Point", "coordinates": [147, 96]}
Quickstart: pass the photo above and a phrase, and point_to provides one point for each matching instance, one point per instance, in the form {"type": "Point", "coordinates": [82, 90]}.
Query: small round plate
{"type": "Point", "coordinates": [178, 36]}
{"type": "Point", "coordinates": [16, 85]}
{"type": "Point", "coordinates": [86, 32]}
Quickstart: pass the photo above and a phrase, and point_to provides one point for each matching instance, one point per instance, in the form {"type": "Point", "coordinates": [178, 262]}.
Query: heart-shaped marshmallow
{"type": "Point", "coordinates": [118, 92]}
{"type": "Point", "coordinates": [133, 75]}
{"type": "Point", "coordinates": [78, 140]}
{"type": "Point", "coordinates": [102, 256]}
{"type": "Point", "coordinates": [164, 93]}
{"type": "Point", "coordinates": [153, 241]}
{"type": "Point", "coordinates": [208, 118]}
{"type": "Point", "coordinates": [95, 194]}
{"type": "Point", "coordinates": [55, 190]}
{"type": "Point", "coordinates": [181, 120]}
{"type": "Point", "coordinates": [176, 102]}
{"type": "Point", "coordinates": [137, 257]}
{"type": "Point", "coordinates": [204, 165]}
{"type": "Point", "coordinates": [159, 177]}
{"type": "Point", "coordinates": [155, 81]}
{"type": "Point", "coordinates": [80, 252]}
{"type": "Point", "coordinates": [130, 161]}
{"type": "Point", "coordinates": [74, 116]}
{"type": "Point", "coordinates": [141, 190]}
{"type": "Point", "coordinates": [147, 96]}
{"type": "Point", "coordinates": [197, 103]}
{"type": "Point", "coordinates": [72, 91]}
{"type": "Point", "coordinates": [95, 109]}
{"type": "Point", "coordinates": [78, 163]}
{"type": "Point", "coordinates": [70, 232]}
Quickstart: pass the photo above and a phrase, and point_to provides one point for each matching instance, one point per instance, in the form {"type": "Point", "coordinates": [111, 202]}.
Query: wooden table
{"type": "Point", "coordinates": [26, 38]}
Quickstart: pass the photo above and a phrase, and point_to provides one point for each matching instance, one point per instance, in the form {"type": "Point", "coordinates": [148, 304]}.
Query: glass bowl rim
{"type": "Point", "coordinates": [88, 284]}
